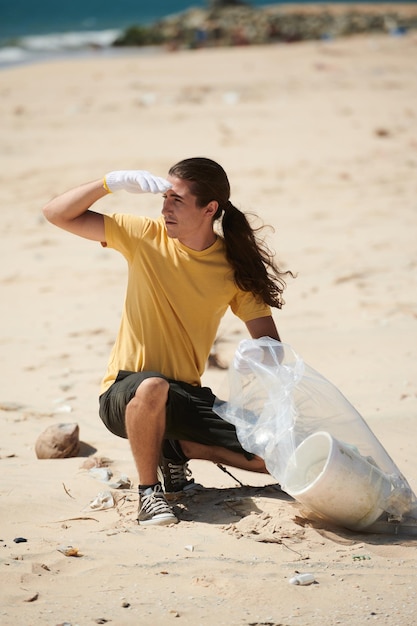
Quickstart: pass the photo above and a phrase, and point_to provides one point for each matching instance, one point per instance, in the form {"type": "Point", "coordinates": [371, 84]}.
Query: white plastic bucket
{"type": "Point", "coordinates": [332, 479]}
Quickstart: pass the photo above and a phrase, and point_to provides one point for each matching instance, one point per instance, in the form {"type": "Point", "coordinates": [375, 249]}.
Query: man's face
{"type": "Point", "coordinates": [184, 220]}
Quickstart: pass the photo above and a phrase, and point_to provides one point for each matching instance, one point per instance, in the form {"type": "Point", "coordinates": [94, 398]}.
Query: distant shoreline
{"type": "Point", "coordinates": [195, 28]}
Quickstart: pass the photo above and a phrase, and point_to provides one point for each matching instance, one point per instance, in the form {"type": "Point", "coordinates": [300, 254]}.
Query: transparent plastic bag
{"type": "Point", "coordinates": [277, 402]}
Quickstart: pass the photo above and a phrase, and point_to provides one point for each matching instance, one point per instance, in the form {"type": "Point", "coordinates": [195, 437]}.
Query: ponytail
{"type": "Point", "coordinates": [251, 260]}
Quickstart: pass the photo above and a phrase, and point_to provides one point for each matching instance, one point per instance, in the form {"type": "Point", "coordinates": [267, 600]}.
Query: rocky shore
{"type": "Point", "coordinates": [246, 25]}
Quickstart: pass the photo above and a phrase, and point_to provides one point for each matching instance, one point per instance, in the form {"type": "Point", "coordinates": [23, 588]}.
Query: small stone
{"type": "Point", "coordinates": [32, 598]}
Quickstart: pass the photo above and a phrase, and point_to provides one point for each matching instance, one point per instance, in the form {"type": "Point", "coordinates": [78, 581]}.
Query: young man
{"type": "Point", "coordinates": [182, 277]}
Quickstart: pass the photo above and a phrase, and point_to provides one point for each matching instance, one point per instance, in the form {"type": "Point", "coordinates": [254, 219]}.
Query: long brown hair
{"type": "Point", "coordinates": [251, 260]}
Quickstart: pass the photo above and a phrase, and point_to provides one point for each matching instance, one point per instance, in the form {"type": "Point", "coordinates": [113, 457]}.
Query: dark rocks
{"type": "Point", "coordinates": [237, 23]}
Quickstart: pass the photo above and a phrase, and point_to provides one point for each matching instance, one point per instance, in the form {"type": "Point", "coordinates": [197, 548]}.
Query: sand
{"type": "Point", "coordinates": [320, 140]}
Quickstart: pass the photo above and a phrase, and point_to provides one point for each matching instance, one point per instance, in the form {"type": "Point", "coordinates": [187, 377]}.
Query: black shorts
{"type": "Point", "coordinates": [189, 412]}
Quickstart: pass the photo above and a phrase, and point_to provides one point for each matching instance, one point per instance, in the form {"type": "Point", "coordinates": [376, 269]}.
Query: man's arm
{"type": "Point", "coordinates": [71, 210]}
{"type": "Point", "coordinates": [263, 327]}
{"type": "Point", "coordinates": [247, 353]}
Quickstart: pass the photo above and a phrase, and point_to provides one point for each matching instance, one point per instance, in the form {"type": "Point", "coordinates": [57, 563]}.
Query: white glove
{"type": "Point", "coordinates": [246, 354]}
{"type": "Point", "coordinates": [135, 181]}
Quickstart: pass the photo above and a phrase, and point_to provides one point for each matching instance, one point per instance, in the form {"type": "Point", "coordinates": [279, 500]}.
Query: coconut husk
{"type": "Point", "coordinates": [59, 441]}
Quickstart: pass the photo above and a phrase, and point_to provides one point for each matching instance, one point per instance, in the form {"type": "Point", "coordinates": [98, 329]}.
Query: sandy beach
{"type": "Point", "coordinates": [320, 141]}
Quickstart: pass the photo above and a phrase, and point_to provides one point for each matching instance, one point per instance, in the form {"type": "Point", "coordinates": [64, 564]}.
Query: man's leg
{"type": "Point", "coordinates": [217, 454]}
{"type": "Point", "coordinates": [145, 426]}
{"type": "Point", "coordinates": [176, 476]}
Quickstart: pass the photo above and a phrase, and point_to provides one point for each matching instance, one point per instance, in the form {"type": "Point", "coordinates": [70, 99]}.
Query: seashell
{"type": "Point", "coordinates": [59, 441]}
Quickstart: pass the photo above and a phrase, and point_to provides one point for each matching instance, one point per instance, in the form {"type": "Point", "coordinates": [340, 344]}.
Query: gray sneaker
{"type": "Point", "coordinates": [154, 509]}
{"type": "Point", "coordinates": [176, 477]}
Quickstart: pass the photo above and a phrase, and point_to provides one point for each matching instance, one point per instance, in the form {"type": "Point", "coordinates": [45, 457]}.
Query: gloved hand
{"type": "Point", "coordinates": [245, 354]}
{"type": "Point", "coordinates": [135, 181]}
{"type": "Point", "coordinates": [248, 354]}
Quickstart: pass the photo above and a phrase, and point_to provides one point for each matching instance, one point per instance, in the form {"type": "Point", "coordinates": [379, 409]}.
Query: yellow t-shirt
{"type": "Point", "coordinates": [175, 299]}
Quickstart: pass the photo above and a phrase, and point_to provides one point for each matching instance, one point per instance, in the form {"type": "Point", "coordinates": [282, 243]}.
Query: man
{"type": "Point", "coordinates": [182, 277]}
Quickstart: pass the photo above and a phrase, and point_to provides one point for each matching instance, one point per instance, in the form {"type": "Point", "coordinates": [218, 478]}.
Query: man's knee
{"type": "Point", "coordinates": [259, 464]}
{"type": "Point", "coordinates": [152, 391]}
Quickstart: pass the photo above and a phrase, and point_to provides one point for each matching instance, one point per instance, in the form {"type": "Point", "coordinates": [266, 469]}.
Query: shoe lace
{"type": "Point", "coordinates": [155, 502]}
{"type": "Point", "coordinates": [179, 472]}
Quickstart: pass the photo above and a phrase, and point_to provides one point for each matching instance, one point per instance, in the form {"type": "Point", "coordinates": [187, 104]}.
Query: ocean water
{"type": "Point", "coordinates": [31, 31]}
